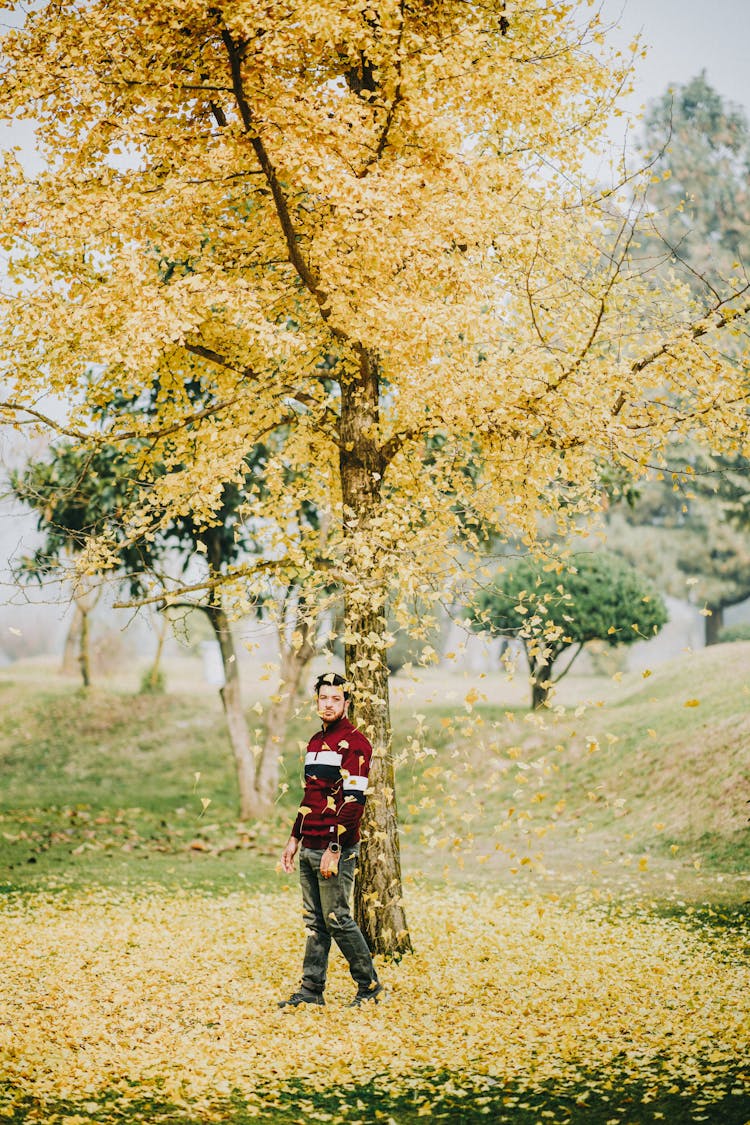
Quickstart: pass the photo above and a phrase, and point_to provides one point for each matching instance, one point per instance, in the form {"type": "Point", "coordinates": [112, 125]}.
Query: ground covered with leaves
{"type": "Point", "coordinates": [160, 1006]}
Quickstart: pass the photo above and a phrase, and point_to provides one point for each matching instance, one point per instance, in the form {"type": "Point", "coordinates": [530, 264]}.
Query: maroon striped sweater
{"type": "Point", "coordinates": [337, 765]}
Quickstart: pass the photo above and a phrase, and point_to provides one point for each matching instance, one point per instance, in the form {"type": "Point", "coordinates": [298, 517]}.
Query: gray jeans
{"type": "Point", "coordinates": [325, 904]}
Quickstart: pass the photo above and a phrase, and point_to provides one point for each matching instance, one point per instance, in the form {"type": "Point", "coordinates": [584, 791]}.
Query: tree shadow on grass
{"type": "Point", "coordinates": [596, 1099]}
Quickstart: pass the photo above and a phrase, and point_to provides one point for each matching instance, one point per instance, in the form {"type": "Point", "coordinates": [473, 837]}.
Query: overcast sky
{"type": "Point", "coordinates": [684, 37]}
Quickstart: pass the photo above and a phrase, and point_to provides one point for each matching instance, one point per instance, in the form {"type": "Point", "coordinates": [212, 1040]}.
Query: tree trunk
{"type": "Point", "coordinates": [231, 697]}
{"type": "Point", "coordinates": [85, 601]}
{"type": "Point", "coordinates": [84, 655]}
{"type": "Point", "coordinates": [296, 655]}
{"type": "Point", "coordinates": [541, 683]}
{"type": "Point", "coordinates": [70, 661]}
{"type": "Point", "coordinates": [378, 902]}
{"type": "Point", "coordinates": [714, 624]}
{"type": "Point", "coordinates": [162, 636]}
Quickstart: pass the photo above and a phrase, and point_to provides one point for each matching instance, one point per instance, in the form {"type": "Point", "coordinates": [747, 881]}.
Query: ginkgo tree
{"type": "Point", "coordinates": [369, 224]}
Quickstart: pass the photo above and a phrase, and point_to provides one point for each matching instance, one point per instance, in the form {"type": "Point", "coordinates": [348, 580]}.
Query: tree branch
{"type": "Point", "coordinates": [700, 329]}
{"type": "Point", "coordinates": [390, 448]}
{"type": "Point", "coordinates": [306, 274]}
{"type": "Point", "coordinates": [248, 570]}
{"type": "Point", "coordinates": [19, 407]}
{"type": "Point", "coordinates": [395, 102]}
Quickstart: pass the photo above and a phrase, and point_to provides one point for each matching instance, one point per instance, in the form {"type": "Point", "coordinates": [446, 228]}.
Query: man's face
{"type": "Point", "coordinates": [331, 702]}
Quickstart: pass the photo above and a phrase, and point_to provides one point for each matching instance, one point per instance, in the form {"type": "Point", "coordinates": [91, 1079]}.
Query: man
{"type": "Point", "coordinates": [337, 764]}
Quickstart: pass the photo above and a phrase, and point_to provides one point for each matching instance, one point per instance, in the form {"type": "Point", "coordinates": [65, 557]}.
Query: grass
{"type": "Point", "coordinates": [596, 1100]}
{"type": "Point", "coordinates": [656, 782]}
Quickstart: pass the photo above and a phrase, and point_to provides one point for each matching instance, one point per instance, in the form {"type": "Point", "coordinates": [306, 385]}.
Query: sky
{"type": "Point", "coordinates": [684, 37]}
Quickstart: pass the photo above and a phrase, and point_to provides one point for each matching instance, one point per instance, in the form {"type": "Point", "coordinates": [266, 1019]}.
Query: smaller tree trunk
{"type": "Point", "coordinates": [71, 658]}
{"type": "Point", "coordinates": [541, 683]}
{"type": "Point", "coordinates": [85, 600]}
{"type": "Point", "coordinates": [84, 655]}
{"type": "Point", "coordinates": [296, 655]}
{"type": "Point", "coordinates": [162, 636]}
{"type": "Point", "coordinates": [231, 698]}
{"type": "Point", "coordinates": [714, 624]}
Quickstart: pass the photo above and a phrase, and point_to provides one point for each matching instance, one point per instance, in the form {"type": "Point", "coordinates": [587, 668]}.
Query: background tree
{"type": "Point", "coordinates": [75, 493]}
{"type": "Point", "coordinates": [700, 190]}
{"type": "Point", "coordinates": [379, 233]}
{"type": "Point", "coordinates": [681, 532]}
{"type": "Point", "coordinates": [555, 610]}
{"type": "Point", "coordinates": [692, 516]}
{"type": "Point", "coordinates": [78, 493]}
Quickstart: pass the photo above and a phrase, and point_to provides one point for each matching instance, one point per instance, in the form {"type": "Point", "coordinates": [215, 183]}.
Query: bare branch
{"type": "Point", "coordinates": [19, 407]}
{"type": "Point", "coordinates": [247, 570]}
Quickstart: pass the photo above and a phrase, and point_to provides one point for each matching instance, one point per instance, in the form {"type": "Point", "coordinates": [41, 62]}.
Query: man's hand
{"type": "Point", "coordinates": [329, 863]}
{"type": "Point", "coordinates": [288, 854]}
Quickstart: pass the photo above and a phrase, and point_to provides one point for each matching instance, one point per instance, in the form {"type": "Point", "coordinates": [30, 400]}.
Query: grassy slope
{"type": "Point", "coordinates": [103, 788]}
{"type": "Point", "coordinates": [640, 785]}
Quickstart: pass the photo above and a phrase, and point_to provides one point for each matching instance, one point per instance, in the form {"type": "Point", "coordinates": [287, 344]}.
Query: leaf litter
{"type": "Point", "coordinates": [175, 996]}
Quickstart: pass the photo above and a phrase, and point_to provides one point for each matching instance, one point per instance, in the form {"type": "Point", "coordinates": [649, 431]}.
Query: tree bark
{"type": "Point", "coordinates": [152, 674]}
{"type": "Point", "coordinates": [714, 624]}
{"type": "Point", "coordinates": [378, 902]}
{"type": "Point", "coordinates": [541, 682]}
{"type": "Point", "coordinates": [85, 600]}
{"type": "Point", "coordinates": [84, 655]}
{"type": "Point", "coordinates": [162, 636]}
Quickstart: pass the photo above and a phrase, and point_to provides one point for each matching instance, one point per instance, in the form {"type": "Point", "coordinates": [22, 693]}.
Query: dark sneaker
{"type": "Point", "coordinates": [302, 997]}
{"type": "Point", "coordinates": [364, 995]}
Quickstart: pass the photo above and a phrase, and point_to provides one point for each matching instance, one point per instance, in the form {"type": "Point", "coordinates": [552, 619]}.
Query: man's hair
{"type": "Point", "coordinates": [331, 679]}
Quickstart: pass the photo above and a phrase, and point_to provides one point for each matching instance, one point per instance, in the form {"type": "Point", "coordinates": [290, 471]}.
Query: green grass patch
{"type": "Point", "coordinates": [595, 1099]}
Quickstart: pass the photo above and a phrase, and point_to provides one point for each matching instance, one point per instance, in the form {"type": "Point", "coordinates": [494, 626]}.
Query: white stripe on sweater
{"type": "Point", "coordinates": [323, 758]}
{"type": "Point", "coordinates": [355, 783]}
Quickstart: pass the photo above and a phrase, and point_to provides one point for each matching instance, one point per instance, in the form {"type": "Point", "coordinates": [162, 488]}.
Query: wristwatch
{"type": "Point", "coordinates": [334, 847]}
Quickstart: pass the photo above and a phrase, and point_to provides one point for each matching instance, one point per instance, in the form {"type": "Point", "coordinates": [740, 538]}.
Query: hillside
{"type": "Point", "coordinates": [652, 783]}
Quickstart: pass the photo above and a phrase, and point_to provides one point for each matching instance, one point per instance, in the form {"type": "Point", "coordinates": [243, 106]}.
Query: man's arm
{"type": "Point", "coordinates": [355, 770]}
{"type": "Point", "coordinates": [288, 854]}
